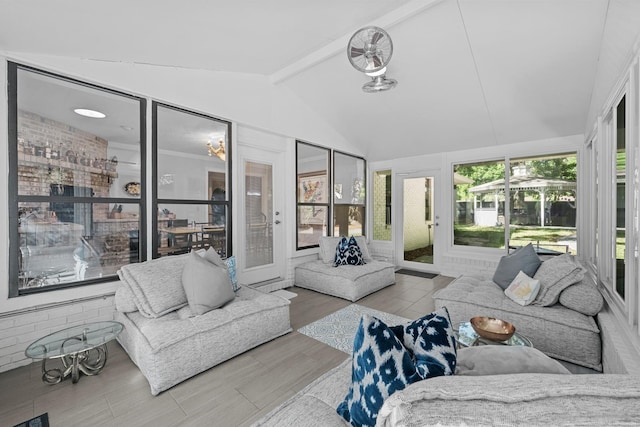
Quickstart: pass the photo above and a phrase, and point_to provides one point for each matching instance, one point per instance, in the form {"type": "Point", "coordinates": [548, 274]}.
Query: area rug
{"type": "Point", "coordinates": [39, 421]}
{"type": "Point", "coordinates": [339, 328]}
{"type": "Point", "coordinates": [417, 273]}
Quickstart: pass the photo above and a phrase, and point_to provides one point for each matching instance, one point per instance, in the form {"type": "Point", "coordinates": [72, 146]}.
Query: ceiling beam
{"type": "Point", "coordinates": [339, 45]}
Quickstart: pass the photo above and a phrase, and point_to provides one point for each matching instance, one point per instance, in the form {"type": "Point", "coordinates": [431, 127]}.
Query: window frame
{"type": "Point", "coordinates": [329, 202]}
{"type": "Point", "coordinates": [509, 160]}
{"type": "Point", "coordinates": [14, 198]}
{"type": "Point", "coordinates": [155, 200]}
{"type": "Point", "coordinates": [363, 205]}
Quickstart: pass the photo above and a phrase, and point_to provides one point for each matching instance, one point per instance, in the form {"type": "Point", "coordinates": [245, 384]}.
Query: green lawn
{"type": "Point", "coordinates": [493, 237]}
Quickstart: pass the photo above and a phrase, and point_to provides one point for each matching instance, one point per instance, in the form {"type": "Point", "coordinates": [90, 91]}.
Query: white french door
{"type": "Point", "coordinates": [261, 225]}
{"type": "Point", "coordinates": [416, 245]}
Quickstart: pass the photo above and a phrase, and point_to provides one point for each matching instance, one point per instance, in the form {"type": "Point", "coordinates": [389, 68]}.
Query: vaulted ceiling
{"type": "Point", "coordinates": [471, 73]}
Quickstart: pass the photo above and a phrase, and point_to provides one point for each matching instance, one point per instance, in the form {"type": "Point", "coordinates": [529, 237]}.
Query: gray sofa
{"type": "Point", "coordinates": [559, 331]}
{"type": "Point", "coordinates": [350, 282]}
{"type": "Point", "coordinates": [497, 399]}
{"type": "Point", "coordinates": [168, 343]}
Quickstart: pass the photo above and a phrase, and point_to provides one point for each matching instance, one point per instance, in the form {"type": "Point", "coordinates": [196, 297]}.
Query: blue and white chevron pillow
{"type": "Point", "coordinates": [348, 253]}
{"type": "Point", "coordinates": [381, 365]}
{"type": "Point", "coordinates": [387, 359]}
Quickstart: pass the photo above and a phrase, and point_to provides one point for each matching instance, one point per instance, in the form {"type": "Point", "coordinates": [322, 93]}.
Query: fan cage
{"type": "Point", "coordinates": [363, 40]}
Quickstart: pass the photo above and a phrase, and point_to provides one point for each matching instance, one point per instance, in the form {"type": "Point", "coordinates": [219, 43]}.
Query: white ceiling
{"type": "Point", "coordinates": [471, 73]}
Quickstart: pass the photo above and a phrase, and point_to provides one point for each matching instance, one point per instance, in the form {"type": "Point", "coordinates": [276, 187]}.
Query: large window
{"type": "Point", "coordinates": [348, 194]}
{"type": "Point", "coordinates": [316, 203]}
{"type": "Point", "coordinates": [479, 204]}
{"type": "Point", "coordinates": [191, 182]}
{"type": "Point", "coordinates": [382, 205]}
{"type": "Point", "coordinates": [76, 181]}
{"type": "Point", "coordinates": [313, 198]}
{"type": "Point", "coordinates": [540, 208]}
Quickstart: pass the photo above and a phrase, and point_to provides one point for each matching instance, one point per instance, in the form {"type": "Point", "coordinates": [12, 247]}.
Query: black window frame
{"type": "Point", "coordinates": [363, 205]}
{"type": "Point", "coordinates": [14, 198]}
{"type": "Point", "coordinates": [328, 204]}
{"type": "Point", "coordinates": [155, 200]}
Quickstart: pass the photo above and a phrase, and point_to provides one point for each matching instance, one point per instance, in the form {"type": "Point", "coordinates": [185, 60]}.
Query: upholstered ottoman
{"type": "Point", "coordinates": [174, 347]}
{"type": "Point", "coordinates": [557, 331]}
{"type": "Point", "coordinates": [350, 282]}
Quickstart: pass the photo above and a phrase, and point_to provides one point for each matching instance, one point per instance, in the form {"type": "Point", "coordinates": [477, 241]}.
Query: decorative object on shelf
{"type": "Point", "coordinates": [369, 51]}
{"type": "Point", "coordinates": [492, 328]}
{"type": "Point", "coordinates": [218, 152]}
{"type": "Point", "coordinates": [132, 188]}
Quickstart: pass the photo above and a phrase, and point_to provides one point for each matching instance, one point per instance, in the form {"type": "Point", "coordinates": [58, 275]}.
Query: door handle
{"type": "Point", "coordinates": [277, 221]}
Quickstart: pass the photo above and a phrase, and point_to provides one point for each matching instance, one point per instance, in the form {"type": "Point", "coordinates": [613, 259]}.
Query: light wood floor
{"type": "Point", "coordinates": [235, 393]}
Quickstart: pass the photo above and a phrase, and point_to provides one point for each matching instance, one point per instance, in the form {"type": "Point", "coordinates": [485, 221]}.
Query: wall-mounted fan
{"type": "Point", "coordinates": [369, 51]}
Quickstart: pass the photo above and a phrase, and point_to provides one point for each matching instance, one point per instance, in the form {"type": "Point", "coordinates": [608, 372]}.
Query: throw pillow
{"type": "Point", "coordinates": [380, 366]}
{"type": "Point", "coordinates": [327, 246]}
{"type": "Point", "coordinates": [125, 300]}
{"type": "Point", "coordinates": [582, 297]}
{"type": "Point", "coordinates": [348, 253]}
{"type": "Point", "coordinates": [555, 275]}
{"type": "Point", "coordinates": [207, 286]}
{"type": "Point", "coordinates": [523, 259]}
{"type": "Point", "coordinates": [230, 264]}
{"type": "Point", "coordinates": [504, 359]}
{"type": "Point", "coordinates": [431, 342]}
{"type": "Point", "coordinates": [213, 257]}
{"type": "Point", "coordinates": [523, 289]}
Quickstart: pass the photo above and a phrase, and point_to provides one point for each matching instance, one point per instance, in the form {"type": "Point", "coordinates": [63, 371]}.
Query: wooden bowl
{"type": "Point", "coordinates": [492, 329]}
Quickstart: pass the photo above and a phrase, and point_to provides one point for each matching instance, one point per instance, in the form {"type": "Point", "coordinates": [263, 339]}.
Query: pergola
{"type": "Point", "coordinates": [524, 183]}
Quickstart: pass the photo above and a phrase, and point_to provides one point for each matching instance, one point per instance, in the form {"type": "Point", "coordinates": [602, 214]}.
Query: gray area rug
{"type": "Point", "coordinates": [339, 328]}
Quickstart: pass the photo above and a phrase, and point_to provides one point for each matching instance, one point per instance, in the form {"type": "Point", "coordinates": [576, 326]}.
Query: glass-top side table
{"type": "Point", "coordinates": [467, 337]}
{"type": "Point", "coordinates": [80, 348]}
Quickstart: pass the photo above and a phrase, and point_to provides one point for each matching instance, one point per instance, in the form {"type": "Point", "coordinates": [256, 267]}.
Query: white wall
{"type": "Point", "coordinates": [240, 98]}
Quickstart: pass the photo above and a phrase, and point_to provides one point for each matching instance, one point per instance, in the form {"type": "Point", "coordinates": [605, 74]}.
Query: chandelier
{"type": "Point", "coordinates": [218, 152]}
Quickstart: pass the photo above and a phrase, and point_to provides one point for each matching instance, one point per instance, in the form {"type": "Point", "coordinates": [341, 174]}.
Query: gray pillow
{"type": "Point", "coordinates": [555, 275]}
{"type": "Point", "coordinates": [207, 286]}
{"type": "Point", "coordinates": [212, 256]}
{"type": "Point", "coordinates": [524, 259]}
{"type": "Point", "coordinates": [582, 297]}
{"type": "Point", "coordinates": [504, 359]}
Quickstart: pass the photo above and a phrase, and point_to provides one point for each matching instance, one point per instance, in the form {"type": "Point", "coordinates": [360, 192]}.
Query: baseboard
{"type": "Point", "coordinates": [272, 285]}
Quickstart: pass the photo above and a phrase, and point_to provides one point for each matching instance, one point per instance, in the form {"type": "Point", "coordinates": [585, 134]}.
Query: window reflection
{"type": "Point", "coordinates": [78, 181]}
{"type": "Point", "coordinates": [193, 200]}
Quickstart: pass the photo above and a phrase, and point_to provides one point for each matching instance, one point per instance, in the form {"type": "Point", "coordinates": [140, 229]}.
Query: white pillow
{"type": "Point", "coordinates": [523, 289]}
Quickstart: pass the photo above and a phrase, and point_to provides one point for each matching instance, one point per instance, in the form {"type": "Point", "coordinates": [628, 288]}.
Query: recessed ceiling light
{"type": "Point", "coordinates": [90, 113]}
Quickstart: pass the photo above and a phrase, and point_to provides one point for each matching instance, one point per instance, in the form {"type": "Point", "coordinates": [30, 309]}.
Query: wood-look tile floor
{"type": "Point", "coordinates": [235, 393]}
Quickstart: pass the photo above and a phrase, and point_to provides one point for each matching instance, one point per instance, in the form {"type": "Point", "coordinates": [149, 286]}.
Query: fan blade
{"type": "Point", "coordinates": [376, 37]}
{"type": "Point", "coordinates": [377, 61]}
{"type": "Point", "coordinates": [356, 51]}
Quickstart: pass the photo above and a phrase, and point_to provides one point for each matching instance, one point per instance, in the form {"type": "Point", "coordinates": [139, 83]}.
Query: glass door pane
{"type": "Point", "coordinates": [258, 214]}
{"type": "Point", "coordinates": [418, 225]}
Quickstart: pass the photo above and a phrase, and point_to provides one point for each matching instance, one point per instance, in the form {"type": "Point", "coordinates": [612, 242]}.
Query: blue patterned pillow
{"type": "Point", "coordinates": [431, 342]}
{"type": "Point", "coordinates": [381, 366]}
{"type": "Point", "coordinates": [231, 268]}
{"type": "Point", "coordinates": [348, 253]}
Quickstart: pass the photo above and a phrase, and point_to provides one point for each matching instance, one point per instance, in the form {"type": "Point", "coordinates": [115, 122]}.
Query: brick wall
{"type": "Point", "coordinates": [53, 152]}
{"type": "Point", "coordinates": [21, 328]}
